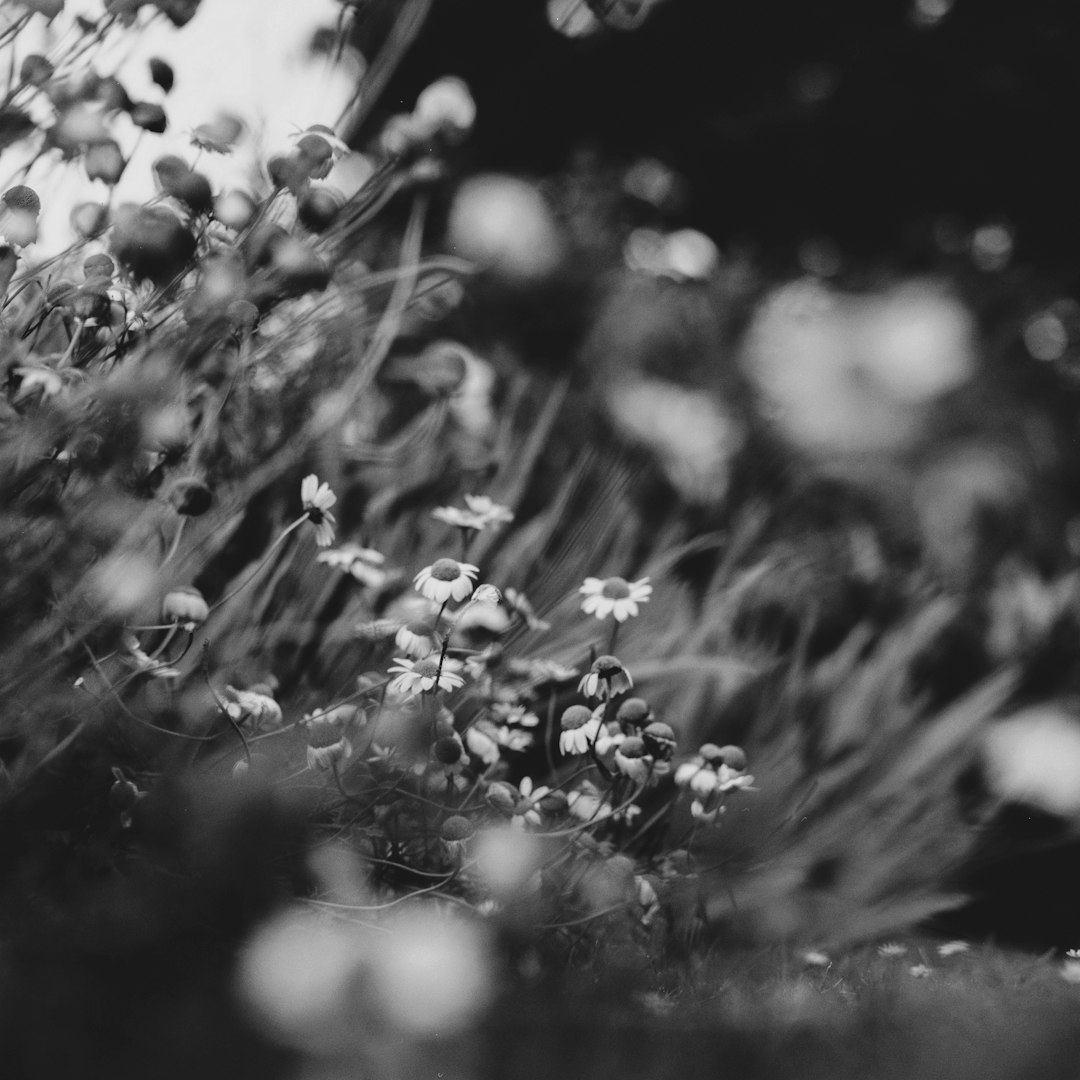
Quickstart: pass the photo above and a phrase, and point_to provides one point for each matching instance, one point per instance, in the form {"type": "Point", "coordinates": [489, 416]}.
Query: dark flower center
{"type": "Point", "coordinates": [607, 667]}
{"type": "Point", "coordinates": [615, 588]}
{"type": "Point", "coordinates": [445, 570]}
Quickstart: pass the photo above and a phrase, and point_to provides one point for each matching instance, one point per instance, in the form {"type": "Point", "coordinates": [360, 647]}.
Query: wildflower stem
{"type": "Point", "coordinates": [262, 562]}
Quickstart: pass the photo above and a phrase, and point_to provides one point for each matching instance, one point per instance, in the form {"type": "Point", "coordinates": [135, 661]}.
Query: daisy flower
{"type": "Point", "coordinates": [614, 596]}
{"type": "Point", "coordinates": [446, 579]}
{"type": "Point", "coordinates": [606, 678]}
{"type": "Point", "coordinates": [317, 499]}
{"type": "Point", "coordinates": [580, 729]}
{"type": "Point", "coordinates": [489, 511]}
{"type": "Point", "coordinates": [421, 676]}
{"type": "Point", "coordinates": [892, 948]}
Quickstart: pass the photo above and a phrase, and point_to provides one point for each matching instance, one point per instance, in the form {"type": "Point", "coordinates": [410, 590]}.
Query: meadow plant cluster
{"type": "Point", "coordinates": [170, 379]}
{"type": "Point", "coordinates": [409, 659]}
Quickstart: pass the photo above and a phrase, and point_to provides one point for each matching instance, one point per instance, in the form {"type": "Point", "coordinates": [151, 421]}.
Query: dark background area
{"type": "Point", "coordinates": [791, 120]}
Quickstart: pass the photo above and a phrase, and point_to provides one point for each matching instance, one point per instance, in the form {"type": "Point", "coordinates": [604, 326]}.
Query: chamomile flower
{"type": "Point", "coordinates": [422, 676]}
{"type": "Point", "coordinates": [317, 499]}
{"type": "Point", "coordinates": [614, 596]}
{"type": "Point", "coordinates": [580, 729]}
{"type": "Point", "coordinates": [446, 579]}
{"type": "Point", "coordinates": [606, 678]}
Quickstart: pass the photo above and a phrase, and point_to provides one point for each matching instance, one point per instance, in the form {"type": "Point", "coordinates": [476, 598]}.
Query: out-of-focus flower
{"type": "Point", "coordinates": [255, 704]}
{"type": "Point", "coordinates": [892, 948]}
{"type": "Point", "coordinates": [855, 373]}
{"type": "Point", "coordinates": [482, 739]}
{"type": "Point", "coordinates": [614, 596]}
{"type": "Point", "coordinates": [487, 594]}
{"type": "Point", "coordinates": [519, 603]}
{"type": "Point", "coordinates": [317, 499]}
{"type": "Point", "coordinates": [141, 662]}
{"type": "Point", "coordinates": [418, 639]}
{"type": "Point", "coordinates": [446, 107]}
{"type": "Point", "coordinates": [185, 605]}
{"type": "Point", "coordinates": [1033, 757]}
{"type": "Point", "coordinates": [489, 511]}
{"type": "Point", "coordinates": [580, 729]}
{"type": "Point", "coordinates": [606, 678]}
{"type": "Point", "coordinates": [714, 771]}
{"type": "Point", "coordinates": [326, 743]}
{"type": "Point", "coordinates": [531, 803]}
{"type": "Point", "coordinates": [365, 564]}
{"type": "Point", "coordinates": [19, 210]}
{"type": "Point", "coordinates": [124, 795]}
{"type": "Point", "coordinates": [1070, 971]}
{"type": "Point", "coordinates": [504, 224]}
{"type": "Point", "coordinates": [920, 971]}
{"type": "Point", "coordinates": [219, 135]}
{"type": "Point", "coordinates": [815, 958]}
{"type": "Point", "coordinates": [953, 948]}
{"type": "Point", "coordinates": [446, 579]}
{"type": "Point", "coordinates": [422, 676]}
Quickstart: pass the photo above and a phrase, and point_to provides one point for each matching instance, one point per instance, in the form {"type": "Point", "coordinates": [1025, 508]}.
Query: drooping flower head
{"type": "Point", "coordinates": [614, 596]}
{"type": "Point", "coordinates": [317, 500]}
{"type": "Point", "coordinates": [446, 579]}
{"type": "Point", "coordinates": [418, 639]}
{"type": "Point", "coordinates": [606, 678]}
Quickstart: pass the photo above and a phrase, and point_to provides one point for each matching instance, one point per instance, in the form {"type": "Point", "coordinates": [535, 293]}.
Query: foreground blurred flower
{"type": "Point", "coordinates": [446, 579]}
{"type": "Point", "coordinates": [185, 605]}
{"type": "Point", "coordinates": [317, 499]}
{"type": "Point", "coordinates": [505, 225]}
{"type": "Point", "coordinates": [614, 596]}
{"type": "Point", "coordinates": [606, 678]}
{"type": "Point", "coordinates": [446, 107]}
{"type": "Point", "coordinates": [422, 676]}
